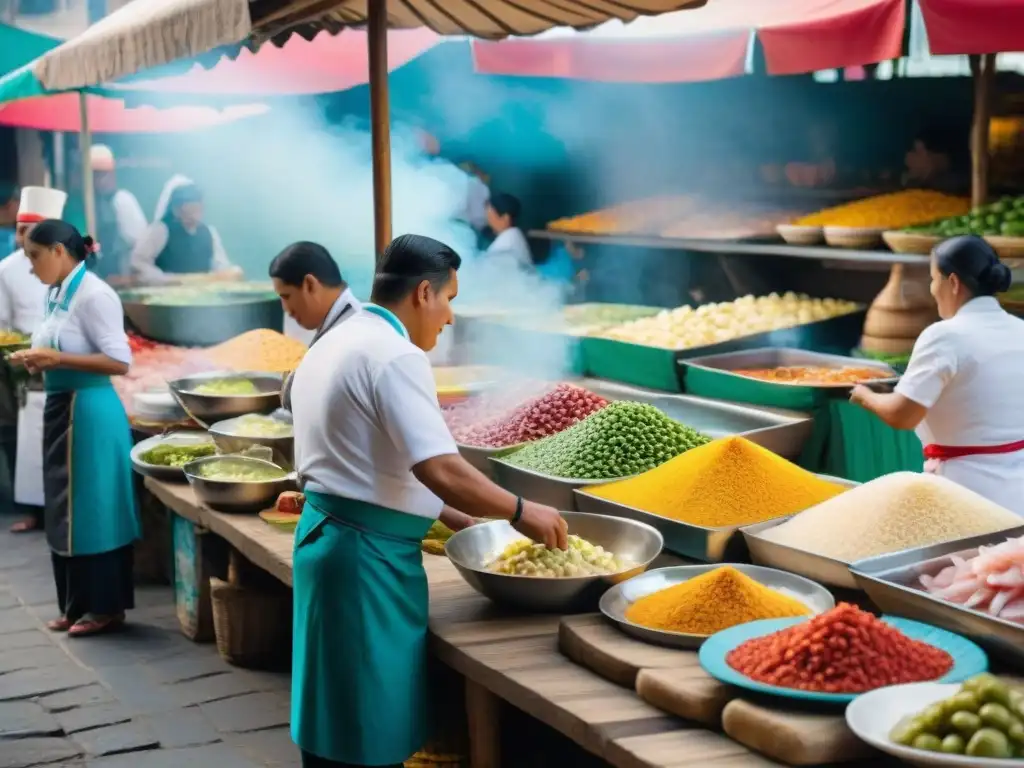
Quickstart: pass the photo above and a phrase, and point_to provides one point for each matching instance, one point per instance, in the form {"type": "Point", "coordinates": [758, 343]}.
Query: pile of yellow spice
{"type": "Point", "coordinates": [711, 602]}
{"type": "Point", "coordinates": [258, 350]}
{"type": "Point", "coordinates": [728, 482]}
{"type": "Point", "coordinates": [892, 211]}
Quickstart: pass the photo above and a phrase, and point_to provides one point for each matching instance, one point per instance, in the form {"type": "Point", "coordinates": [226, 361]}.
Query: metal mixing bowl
{"type": "Point", "coordinates": [209, 409]}
{"type": "Point", "coordinates": [473, 549]}
{"type": "Point", "coordinates": [237, 495]}
{"type": "Point", "coordinates": [225, 435]}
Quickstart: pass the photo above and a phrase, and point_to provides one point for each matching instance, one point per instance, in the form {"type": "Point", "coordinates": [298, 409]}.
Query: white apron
{"type": "Point", "coordinates": [28, 475]}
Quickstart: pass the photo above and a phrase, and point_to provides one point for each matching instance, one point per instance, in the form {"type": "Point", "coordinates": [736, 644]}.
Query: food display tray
{"type": "Point", "coordinates": [891, 583]}
{"type": "Point", "coordinates": [713, 376]}
{"type": "Point", "coordinates": [824, 570]}
{"type": "Point", "coordinates": [556, 492]}
{"type": "Point", "coordinates": [708, 545]}
{"type": "Point", "coordinates": [201, 325]}
{"type": "Point", "coordinates": [781, 433]}
{"type": "Point", "coordinates": [658, 368]}
{"type": "Point", "coordinates": [617, 600]}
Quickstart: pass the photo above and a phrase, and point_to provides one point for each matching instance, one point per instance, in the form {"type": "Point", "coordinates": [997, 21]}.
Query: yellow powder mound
{"type": "Point", "coordinates": [711, 602]}
{"type": "Point", "coordinates": [727, 482]}
{"type": "Point", "coordinates": [259, 350]}
{"type": "Point", "coordinates": [898, 511]}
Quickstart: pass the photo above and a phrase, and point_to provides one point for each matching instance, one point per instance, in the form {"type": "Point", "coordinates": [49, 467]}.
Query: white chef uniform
{"type": "Point", "coordinates": [27, 297]}
{"type": "Point", "coordinates": [512, 246]}
{"type": "Point", "coordinates": [365, 409]}
{"type": "Point", "coordinates": [967, 372]}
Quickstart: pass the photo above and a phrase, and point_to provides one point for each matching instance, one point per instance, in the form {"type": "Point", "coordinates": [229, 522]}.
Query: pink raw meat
{"type": "Point", "coordinates": [980, 598]}
{"type": "Point", "coordinates": [1003, 598]}
{"type": "Point", "coordinates": [959, 591]}
{"type": "Point", "coordinates": [1013, 611]}
{"type": "Point", "coordinates": [1010, 578]}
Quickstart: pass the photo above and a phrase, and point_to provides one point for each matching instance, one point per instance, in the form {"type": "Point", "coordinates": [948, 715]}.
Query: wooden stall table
{"type": "Point", "coordinates": [506, 657]}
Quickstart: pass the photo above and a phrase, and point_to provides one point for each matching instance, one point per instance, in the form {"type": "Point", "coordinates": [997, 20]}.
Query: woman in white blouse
{"type": "Point", "coordinates": [961, 389]}
{"type": "Point", "coordinates": [90, 514]}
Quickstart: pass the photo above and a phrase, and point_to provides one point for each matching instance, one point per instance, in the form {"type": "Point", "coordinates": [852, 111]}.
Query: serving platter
{"type": "Point", "coordinates": [160, 471]}
{"type": "Point", "coordinates": [617, 600]}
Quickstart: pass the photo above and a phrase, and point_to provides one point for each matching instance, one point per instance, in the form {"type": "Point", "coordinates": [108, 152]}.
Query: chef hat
{"type": "Point", "coordinates": [41, 203]}
{"type": "Point", "coordinates": [101, 157]}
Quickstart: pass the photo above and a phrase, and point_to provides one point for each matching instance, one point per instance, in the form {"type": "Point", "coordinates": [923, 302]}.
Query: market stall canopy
{"type": "Point", "coordinates": [61, 113]}
{"type": "Point", "coordinates": [973, 26]}
{"type": "Point", "coordinates": [709, 43]}
{"type": "Point", "coordinates": [325, 64]}
{"type": "Point", "coordinates": [152, 33]}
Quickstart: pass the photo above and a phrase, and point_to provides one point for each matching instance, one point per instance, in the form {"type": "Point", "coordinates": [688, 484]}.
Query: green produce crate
{"type": "Point", "coordinates": [656, 368]}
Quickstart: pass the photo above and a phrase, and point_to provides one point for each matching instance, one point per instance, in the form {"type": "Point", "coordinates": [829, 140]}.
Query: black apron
{"type": "Point", "coordinates": [329, 323]}
{"type": "Point", "coordinates": [186, 252]}
{"type": "Point", "coordinates": [114, 249]}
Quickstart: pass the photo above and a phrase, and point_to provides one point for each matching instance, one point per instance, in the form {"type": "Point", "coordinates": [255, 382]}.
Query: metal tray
{"type": "Point", "coordinates": [728, 362]}
{"type": "Point", "coordinates": [709, 545]}
{"type": "Point", "coordinates": [202, 325]}
{"type": "Point", "coordinates": [891, 583]}
{"type": "Point", "coordinates": [824, 570]}
{"type": "Point", "coordinates": [157, 471]}
{"type": "Point", "coordinates": [617, 600]}
{"type": "Point", "coordinates": [556, 492]}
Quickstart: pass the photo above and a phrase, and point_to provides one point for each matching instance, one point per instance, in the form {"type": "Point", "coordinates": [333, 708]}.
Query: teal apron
{"type": "Point", "coordinates": [87, 473]}
{"type": "Point", "coordinates": [359, 662]}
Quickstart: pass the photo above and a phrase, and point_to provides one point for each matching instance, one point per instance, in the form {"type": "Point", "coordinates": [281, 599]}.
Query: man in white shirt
{"type": "Point", "coordinates": [312, 292]}
{"type": "Point", "coordinates": [509, 241]}
{"type": "Point", "coordinates": [379, 466]}
{"type": "Point", "coordinates": [22, 306]}
{"type": "Point", "coordinates": [120, 222]}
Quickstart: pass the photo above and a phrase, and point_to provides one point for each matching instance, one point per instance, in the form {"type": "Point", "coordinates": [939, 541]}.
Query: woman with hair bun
{"type": "Point", "coordinates": [90, 515]}
{"type": "Point", "coordinates": [961, 389]}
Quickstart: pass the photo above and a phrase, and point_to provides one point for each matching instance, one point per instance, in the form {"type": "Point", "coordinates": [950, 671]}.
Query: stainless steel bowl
{"type": "Point", "coordinates": [160, 471]}
{"type": "Point", "coordinates": [235, 495]}
{"type": "Point", "coordinates": [473, 549]}
{"type": "Point", "coordinates": [617, 600]}
{"type": "Point", "coordinates": [225, 435]}
{"type": "Point", "coordinates": [203, 324]}
{"type": "Point", "coordinates": [208, 409]}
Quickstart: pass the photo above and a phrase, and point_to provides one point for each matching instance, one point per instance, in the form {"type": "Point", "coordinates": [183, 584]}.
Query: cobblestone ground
{"type": "Point", "coordinates": [144, 698]}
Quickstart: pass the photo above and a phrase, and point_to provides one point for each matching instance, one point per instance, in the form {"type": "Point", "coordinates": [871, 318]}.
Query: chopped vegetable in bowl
{"type": "Point", "coordinates": [256, 425]}
{"type": "Point", "coordinates": [240, 472]}
{"type": "Point", "coordinates": [172, 455]}
{"type": "Point", "coordinates": [227, 388]}
{"type": "Point", "coordinates": [528, 558]}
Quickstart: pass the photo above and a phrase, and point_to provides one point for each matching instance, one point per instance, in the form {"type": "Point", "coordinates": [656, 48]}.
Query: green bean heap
{"type": "Point", "coordinates": [623, 439]}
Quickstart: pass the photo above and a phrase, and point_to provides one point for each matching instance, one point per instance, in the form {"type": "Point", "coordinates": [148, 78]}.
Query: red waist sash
{"type": "Point", "coordinates": [946, 452]}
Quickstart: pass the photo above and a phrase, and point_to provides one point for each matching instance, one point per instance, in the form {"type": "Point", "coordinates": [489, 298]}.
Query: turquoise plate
{"type": "Point", "coordinates": [968, 659]}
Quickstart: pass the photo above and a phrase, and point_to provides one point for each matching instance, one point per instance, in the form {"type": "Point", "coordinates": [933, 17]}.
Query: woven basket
{"type": "Point", "coordinates": [910, 242]}
{"type": "Point", "coordinates": [253, 627]}
{"type": "Point", "coordinates": [864, 238]}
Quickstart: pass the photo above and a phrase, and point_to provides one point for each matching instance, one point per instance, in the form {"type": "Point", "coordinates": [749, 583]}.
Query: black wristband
{"type": "Point", "coordinates": [519, 510]}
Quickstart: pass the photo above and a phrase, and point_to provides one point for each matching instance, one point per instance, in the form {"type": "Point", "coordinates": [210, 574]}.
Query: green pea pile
{"type": "Point", "coordinates": [622, 439]}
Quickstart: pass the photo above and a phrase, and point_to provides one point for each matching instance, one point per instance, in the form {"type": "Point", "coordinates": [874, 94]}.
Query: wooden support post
{"type": "Point", "coordinates": [85, 150]}
{"type": "Point", "coordinates": [380, 118]}
{"type": "Point", "coordinates": [983, 68]}
{"type": "Point", "coordinates": [483, 717]}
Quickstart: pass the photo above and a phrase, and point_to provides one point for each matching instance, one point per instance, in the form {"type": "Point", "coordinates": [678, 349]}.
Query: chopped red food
{"type": "Point", "coordinates": [845, 650]}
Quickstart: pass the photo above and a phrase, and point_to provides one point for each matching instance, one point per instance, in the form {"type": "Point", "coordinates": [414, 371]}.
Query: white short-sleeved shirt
{"type": "Point", "coordinates": [511, 244]}
{"type": "Point", "coordinates": [967, 371]}
{"type": "Point", "coordinates": [95, 323]}
{"type": "Point", "coordinates": [22, 294]}
{"type": "Point", "coordinates": [364, 406]}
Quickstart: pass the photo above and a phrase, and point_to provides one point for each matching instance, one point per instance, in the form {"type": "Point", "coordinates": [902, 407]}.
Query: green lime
{"type": "Point", "coordinates": [906, 730]}
{"type": "Point", "coordinates": [928, 742]}
{"type": "Point", "coordinates": [965, 701]}
{"type": "Point", "coordinates": [965, 723]}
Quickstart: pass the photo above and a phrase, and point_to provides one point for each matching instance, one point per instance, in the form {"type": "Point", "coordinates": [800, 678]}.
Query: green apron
{"type": "Point", "coordinates": [359, 658]}
{"type": "Point", "coordinates": [359, 662]}
{"type": "Point", "coordinates": [88, 483]}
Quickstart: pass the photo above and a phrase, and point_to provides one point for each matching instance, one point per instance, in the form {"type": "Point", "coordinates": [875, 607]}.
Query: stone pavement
{"type": "Point", "coordinates": [144, 698]}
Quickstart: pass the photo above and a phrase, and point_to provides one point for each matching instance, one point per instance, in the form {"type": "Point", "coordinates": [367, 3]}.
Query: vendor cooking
{"type": "Point", "coordinates": [961, 389]}
{"type": "Point", "coordinates": [120, 222]}
{"type": "Point", "coordinates": [178, 242]}
{"type": "Point", "coordinates": [312, 293]}
{"type": "Point", "coordinates": [379, 466]}
{"type": "Point", "coordinates": [22, 308]}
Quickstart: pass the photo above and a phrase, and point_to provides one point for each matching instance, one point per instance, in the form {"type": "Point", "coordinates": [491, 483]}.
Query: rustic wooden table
{"type": "Point", "coordinates": [506, 657]}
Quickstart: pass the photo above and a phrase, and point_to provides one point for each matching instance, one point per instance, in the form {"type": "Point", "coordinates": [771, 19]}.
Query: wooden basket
{"type": "Point", "coordinates": [864, 238]}
{"type": "Point", "coordinates": [253, 626]}
{"type": "Point", "coordinates": [794, 234]}
{"type": "Point", "coordinates": [910, 242]}
{"type": "Point", "coordinates": [1007, 247]}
